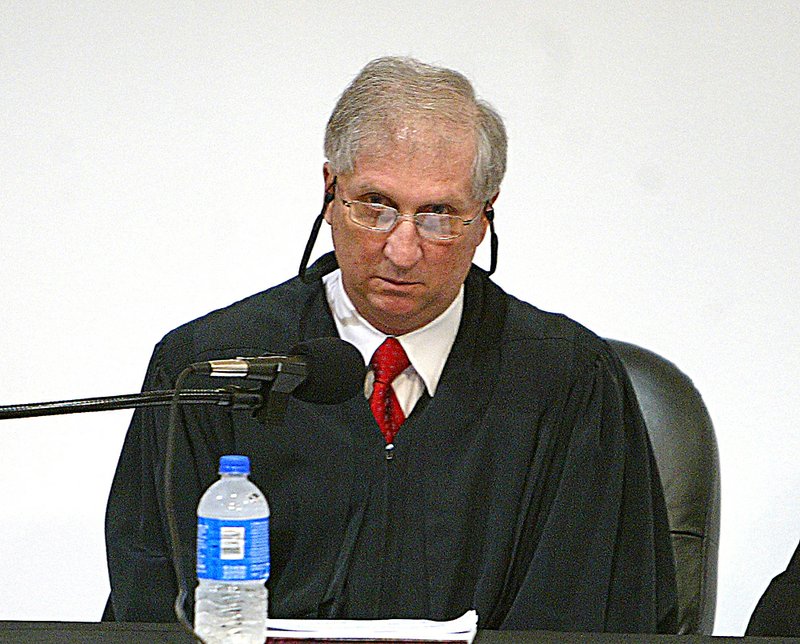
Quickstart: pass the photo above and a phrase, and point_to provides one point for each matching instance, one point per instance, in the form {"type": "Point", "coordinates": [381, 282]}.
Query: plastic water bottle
{"type": "Point", "coordinates": [232, 557]}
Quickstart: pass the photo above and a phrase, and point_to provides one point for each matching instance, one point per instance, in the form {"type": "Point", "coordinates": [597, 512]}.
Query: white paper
{"type": "Point", "coordinates": [461, 629]}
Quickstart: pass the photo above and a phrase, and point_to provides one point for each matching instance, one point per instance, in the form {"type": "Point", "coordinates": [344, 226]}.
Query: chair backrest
{"type": "Point", "coordinates": [685, 449]}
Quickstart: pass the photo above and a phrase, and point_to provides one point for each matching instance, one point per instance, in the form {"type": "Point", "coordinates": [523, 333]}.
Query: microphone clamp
{"type": "Point", "coordinates": [262, 368]}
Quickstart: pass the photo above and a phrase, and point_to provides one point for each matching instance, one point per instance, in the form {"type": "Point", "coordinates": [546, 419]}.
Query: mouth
{"type": "Point", "coordinates": [398, 283]}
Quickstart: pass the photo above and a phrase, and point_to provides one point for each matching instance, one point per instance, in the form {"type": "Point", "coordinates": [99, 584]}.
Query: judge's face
{"type": "Point", "coordinates": [398, 280]}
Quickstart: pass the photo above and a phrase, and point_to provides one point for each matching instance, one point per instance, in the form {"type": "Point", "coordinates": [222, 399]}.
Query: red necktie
{"type": "Point", "coordinates": [387, 363]}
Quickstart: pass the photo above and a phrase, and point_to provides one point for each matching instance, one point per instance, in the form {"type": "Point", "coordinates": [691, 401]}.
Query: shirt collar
{"type": "Point", "coordinates": [427, 348]}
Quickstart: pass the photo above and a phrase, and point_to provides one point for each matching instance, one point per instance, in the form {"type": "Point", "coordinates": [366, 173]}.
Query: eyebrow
{"type": "Point", "coordinates": [365, 189]}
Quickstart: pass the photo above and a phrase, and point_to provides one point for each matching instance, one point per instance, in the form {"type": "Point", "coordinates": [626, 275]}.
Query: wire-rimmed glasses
{"type": "Point", "coordinates": [383, 219]}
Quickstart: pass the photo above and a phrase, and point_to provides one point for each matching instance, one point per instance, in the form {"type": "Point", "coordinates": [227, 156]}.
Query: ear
{"type": "Point", "coordinates": [327, 175]}
{"type": "Point", "coordinates": [330, 186]}
{"type": "Point", "coordinates": [488, 212]}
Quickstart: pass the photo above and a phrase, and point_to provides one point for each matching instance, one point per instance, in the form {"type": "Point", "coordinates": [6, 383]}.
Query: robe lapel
{"type": "Point", "coordinates": [448, 442]}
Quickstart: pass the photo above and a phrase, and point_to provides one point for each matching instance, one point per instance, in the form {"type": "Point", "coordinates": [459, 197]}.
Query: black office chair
{"type": "Point", "coordinates": [685, 449]}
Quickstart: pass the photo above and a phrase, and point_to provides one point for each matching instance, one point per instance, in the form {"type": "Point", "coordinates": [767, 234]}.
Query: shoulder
{"type": "Point", "coordinates": [530, 338]}
{"type": "Point", "coordinates": [264, 322]}
{"type": "Point", "coordinates": [777, 612]}
{"type": "Point", "coordinates": [527, 323]}
{"type": "Point", "coordinates": [530, 333]}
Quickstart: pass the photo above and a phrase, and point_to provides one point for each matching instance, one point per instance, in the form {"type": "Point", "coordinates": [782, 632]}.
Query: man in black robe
{"type": "Point", "coordinates": [521, 482]}
{"type": "Point", "coordinates": [777, 613]}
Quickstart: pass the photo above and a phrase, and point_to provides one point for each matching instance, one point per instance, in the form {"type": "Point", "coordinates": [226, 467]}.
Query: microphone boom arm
{"type": "Point", "coordinates": [233, 396]}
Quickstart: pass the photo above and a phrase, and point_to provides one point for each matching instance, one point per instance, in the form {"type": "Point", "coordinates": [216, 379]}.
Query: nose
{"type": "Point", "coordinates": [403, 247]}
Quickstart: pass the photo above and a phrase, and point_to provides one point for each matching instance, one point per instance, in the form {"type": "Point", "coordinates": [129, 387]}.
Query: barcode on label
{"type": "Point", "coordinates": [231, 542]}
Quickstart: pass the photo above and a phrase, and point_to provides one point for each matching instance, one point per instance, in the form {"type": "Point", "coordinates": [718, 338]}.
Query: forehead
{"type": "Point", "coordinates": [429, 163]}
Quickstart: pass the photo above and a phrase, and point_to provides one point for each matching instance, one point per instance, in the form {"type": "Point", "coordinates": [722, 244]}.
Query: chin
{"type": "Point", "coordinates": [393, 319]}
{"type": "Point", "coordinates": [396, 307]}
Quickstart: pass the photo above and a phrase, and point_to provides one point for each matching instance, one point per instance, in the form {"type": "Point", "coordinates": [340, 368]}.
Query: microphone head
{"type": "Point", "coordinates": [335, 371]}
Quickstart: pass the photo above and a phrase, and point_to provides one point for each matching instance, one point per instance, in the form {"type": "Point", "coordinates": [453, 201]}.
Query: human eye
{"type": "Point", "coordinates": [376, 199]}
{"type": "Point", "coordinates": [373, 214]}
{"type": "Point", "coordinates": [438, 209]}
{"type": "Point", "coordinates": [438, 225]}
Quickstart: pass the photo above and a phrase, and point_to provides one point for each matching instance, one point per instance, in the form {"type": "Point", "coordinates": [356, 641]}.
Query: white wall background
{"type": "Point", "coordinates": [158, 160]}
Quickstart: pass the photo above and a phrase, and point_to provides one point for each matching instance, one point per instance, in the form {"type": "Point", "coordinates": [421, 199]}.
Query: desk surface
{"type": "Point", "coordinates": [118, 633]}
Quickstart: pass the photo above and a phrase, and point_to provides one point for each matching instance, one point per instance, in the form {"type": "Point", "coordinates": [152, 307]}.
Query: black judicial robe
{"type": "Point", "coordinates": [525, 489]}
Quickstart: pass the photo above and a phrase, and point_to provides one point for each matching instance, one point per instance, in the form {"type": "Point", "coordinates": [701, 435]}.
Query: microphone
{"type": "Point", "coordinates": [327, 370]}
{"type": "Point", "coordinates": [260, 368]}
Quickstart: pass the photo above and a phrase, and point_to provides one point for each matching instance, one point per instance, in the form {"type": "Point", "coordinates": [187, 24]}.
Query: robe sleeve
{"type": "Point", "coordinates": [594, 554]}
{"type": "Point", "coordinates": [138, 550]}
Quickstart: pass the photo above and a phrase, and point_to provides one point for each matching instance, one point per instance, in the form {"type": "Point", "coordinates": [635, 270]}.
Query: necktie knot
{"type": "Point", "coordinates": [389, 361]}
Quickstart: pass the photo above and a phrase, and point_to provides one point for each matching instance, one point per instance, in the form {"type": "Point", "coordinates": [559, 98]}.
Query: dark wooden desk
{"type": "Point", "coordinates": [121, 633]}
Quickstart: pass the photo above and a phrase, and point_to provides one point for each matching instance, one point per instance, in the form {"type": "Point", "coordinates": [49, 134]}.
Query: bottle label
{"type": "Point", "coordinates": [232, 549]}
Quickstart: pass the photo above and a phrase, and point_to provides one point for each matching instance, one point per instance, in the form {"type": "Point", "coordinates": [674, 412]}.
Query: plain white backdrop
{"type": "Point", "coordinates": [159, 160]}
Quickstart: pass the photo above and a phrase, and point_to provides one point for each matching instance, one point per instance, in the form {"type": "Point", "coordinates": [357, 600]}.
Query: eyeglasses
{"type": "Point", "coordinates": [383, 219]}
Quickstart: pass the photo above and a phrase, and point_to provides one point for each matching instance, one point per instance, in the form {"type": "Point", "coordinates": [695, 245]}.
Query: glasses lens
{"type": "Point", "coordinates": [383, 218]}
{"type": "Point", "coordinates": [372, 216]}
{"type": "Point", "coordinates": [439, 226]}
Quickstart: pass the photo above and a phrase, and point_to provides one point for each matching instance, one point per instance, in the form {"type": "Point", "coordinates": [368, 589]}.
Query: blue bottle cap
{"type": "Point", "coordinates": [234, 464]}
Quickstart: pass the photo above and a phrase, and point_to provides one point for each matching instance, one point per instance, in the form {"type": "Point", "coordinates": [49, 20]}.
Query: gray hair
{"type": "Point", "coordinates": [390, 92]}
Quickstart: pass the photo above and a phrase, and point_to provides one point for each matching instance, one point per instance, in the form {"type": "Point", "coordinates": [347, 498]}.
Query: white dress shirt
{"type": "Point", "coordinates": [427, 348]}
